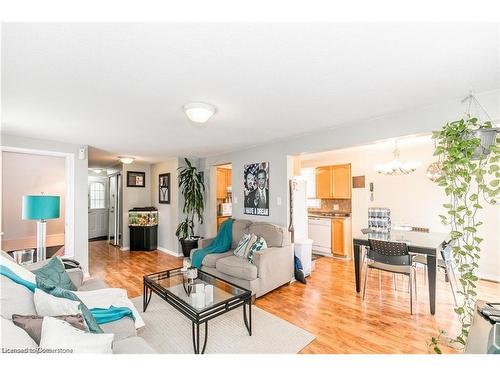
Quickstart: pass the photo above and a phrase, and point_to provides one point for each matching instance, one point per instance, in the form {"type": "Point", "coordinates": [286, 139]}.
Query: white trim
{"type": "Point", "coordinates": [125, 248]}
{"type": "Point", "coordinates": [170, 252]}
{"type": "Point", "coordinates": [70, 202]}
{"type": "Point", "coordinates": [489, 277]}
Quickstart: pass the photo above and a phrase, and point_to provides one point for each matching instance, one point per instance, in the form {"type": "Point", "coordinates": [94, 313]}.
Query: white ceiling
{"type": "Point", "coordinates": [121, 87]}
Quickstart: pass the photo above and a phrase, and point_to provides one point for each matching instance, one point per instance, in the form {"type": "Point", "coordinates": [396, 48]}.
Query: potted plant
{"type": "Point", "coordinates": [470, 176]}
{"type": "Point", "coordinates": [192, 189]}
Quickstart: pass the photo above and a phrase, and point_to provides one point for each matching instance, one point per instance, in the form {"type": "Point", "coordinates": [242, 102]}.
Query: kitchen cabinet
{"type": "Point", "coordinates": [224, 177]}
{"type": "Point", "coordinates": [341, 237]}
{"type": "Point", "coordinates": [220, 220]}
{"type": "Point", "coordinates": [333, 182]}
{"type": "Point", "coordinates": [323, 182]}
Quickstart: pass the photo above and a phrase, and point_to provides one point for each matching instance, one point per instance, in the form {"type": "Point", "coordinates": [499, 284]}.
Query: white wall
{"type": "Point", "coordinates": [168, 214]}
{"type": "Point", "coordinates": [413, 199]}
{"type": "Point", "coordinates": [78, 214]}
{"type": "Point", "coordinates": [415, 121]}
{"type": "Point", "coordinates": [134, 196]}
{"type": "Point", "coordinates": [25, 174]}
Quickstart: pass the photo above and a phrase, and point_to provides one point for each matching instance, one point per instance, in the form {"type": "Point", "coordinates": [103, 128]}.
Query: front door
{"type": "Point", "coordinates": [98, 211]}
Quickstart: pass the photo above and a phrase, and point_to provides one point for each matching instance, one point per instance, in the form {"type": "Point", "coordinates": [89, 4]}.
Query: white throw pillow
{"type": "Point", "coordinates": [242, 248]}
{"type": "Point", "coordinates": [20, 271]}
{"type": "Point", "coordinates": [48, 305]}
{"type": "Point", "coordinates": [15, 339]}
{"type": "Point", "coordinates": [60, 336]}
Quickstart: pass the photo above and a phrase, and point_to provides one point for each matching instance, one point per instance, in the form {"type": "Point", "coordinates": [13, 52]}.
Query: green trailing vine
{"type": "Point", "coordinates": [467, 179]}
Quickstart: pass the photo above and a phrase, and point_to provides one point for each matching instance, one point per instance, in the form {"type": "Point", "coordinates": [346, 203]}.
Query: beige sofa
{"type": "Point", "coordinates": [16, 299]}
{"type": "Point", "coordinates": [271, 268]}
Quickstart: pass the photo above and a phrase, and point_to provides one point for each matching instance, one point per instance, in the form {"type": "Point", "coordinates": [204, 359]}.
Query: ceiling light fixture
{"type": "Point", "coordinates": [396, 167]}
{"type": "Point", "coordinates": [126, 159]}
{"type": "Point", "coordinates": [199, 112]}
{"type": "Point", "coordinates": [97, 170]}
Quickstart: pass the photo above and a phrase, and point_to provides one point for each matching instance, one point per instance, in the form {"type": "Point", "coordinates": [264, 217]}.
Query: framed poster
{"type": "Point", "coordinates": [256, 189]}
{"type": "Point", "coordinates": [136, 179]}
{"type": "Point", "coordinates": [164, 188]}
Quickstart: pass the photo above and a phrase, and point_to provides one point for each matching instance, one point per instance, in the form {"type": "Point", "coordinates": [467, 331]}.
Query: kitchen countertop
{"type": "Point", "coordinates": [333, 215]}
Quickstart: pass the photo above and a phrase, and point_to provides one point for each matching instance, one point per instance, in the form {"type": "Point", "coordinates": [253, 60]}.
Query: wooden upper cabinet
{"type": "Point", "coordinates": [229, 177]}
{"type": "Point", "coordinates": [221, 183]}
{"type": "Point", "coordinates": [341, 181]}
{"type": "Point", "coordinates": [323, 182]}
{"type": "Point", "coordinates": [333, 182]}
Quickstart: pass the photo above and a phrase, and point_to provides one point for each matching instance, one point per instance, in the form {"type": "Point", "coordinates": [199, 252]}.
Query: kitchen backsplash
{"type": "Point", "coordinates": [327, 205]}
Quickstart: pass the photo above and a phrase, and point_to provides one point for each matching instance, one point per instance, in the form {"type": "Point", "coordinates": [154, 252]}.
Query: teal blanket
{"type": "Point", "coordinates": [220, 244]}
{"type": "Point", "coordinates": [6, 271]}
{"type": "Point", "coordinates": [110, 315]}
{"type": "Point", "coordinates": [100, 315]}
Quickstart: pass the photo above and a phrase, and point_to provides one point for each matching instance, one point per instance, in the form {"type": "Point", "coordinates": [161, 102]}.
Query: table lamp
{"type": "Point", "coordinates": [41, 208]}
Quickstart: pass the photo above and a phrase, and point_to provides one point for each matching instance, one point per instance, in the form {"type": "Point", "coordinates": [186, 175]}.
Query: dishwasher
{"type": "Point", "coordinates": [320, 231]}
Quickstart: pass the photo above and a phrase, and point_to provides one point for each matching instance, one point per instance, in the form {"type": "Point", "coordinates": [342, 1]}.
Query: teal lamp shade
{"type": "Point", "coordinates": [40, 207]}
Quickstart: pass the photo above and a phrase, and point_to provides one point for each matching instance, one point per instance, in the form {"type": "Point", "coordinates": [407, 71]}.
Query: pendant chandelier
{"type": "Point", "coordinates": [396, 167]}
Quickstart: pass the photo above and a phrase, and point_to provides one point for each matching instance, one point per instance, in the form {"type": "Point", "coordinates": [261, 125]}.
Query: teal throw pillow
{"type": "Point", "coordinates": [54, 273]}
{"type": "Point", "coordinates": [63, 293]}
{"type": "Point", "coordinates": [259, 244]}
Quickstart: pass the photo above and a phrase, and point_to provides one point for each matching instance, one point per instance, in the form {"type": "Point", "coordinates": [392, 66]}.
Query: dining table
{"type": "Point", "coordinates": [425, 243]}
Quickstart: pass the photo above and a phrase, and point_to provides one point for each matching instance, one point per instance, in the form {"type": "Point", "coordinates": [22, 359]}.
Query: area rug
{"type": "Point", "coordinates": [169, 332]}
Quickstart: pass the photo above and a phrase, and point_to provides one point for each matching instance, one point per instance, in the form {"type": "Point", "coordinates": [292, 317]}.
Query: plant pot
{"type": "Point", "coordinates": [487, 137]}
{"type": "Point", "coordinates": [189, 244]}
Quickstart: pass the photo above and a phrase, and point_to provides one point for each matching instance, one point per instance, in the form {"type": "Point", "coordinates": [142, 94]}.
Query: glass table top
{"type": "Point", "coordinates": [172, 282]}
{"type": "Point", "coordinates": [430, 240]}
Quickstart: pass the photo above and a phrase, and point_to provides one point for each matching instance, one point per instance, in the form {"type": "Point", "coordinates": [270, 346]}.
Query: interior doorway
{"type": "Point", "coordinates": [223, 195]}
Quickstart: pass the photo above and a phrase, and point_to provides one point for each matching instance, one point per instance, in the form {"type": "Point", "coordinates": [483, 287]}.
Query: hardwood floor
{"type": "Point", "coordinates": [327, 306]}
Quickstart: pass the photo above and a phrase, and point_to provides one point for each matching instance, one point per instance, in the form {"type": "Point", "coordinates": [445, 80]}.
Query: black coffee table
{"type": "Point", "coordinates": [169, 286]}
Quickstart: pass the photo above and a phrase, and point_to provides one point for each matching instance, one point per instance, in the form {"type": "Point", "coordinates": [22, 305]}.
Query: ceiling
{"type": "Point", "coordinates": [121, 87]}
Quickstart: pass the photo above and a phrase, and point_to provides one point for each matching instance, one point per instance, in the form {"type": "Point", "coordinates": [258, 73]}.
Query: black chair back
{"type": "Point", "coordinates": [393, 253]}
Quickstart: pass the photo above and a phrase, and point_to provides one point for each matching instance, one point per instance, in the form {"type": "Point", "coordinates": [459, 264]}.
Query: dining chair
{"type": "Point", "coordinates": [391, 257]}
{"type": "Point", "coordinates": [445, 263]}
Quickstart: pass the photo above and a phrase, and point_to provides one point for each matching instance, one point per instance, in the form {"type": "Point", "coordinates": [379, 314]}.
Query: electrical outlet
{"type": "Point", "coordinates": [336, 207]}
{"type": "Point", "coordinates": [235, 200]}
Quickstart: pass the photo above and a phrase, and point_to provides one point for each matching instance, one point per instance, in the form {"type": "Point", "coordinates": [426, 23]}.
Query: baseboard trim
{"type": "Point", "coordinates": [124, 248]}
{"type": "Point", "coordinates": [170, 252]}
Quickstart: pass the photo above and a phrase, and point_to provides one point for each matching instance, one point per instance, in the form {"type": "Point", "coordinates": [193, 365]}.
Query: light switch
{"type": "Point", "coordinates": [235, 200]}
{"type": "Point", "coordinates": [278, 201]}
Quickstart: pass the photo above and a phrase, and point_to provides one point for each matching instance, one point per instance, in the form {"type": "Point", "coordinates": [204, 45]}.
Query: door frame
{"type": "Point", "coordinates": [69, 192]}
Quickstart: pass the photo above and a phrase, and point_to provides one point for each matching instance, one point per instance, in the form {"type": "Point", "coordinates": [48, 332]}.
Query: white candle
{"type": "Point", "coordinates": [200, 300]}
{"type": "Point", "coordinates": [209, 294]}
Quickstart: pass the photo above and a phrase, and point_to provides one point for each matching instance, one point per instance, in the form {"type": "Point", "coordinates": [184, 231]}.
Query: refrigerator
{"type": "Point", "coordinates": [299, 223]}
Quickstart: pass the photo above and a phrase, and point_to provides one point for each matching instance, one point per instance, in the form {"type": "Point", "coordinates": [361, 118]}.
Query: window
{"type": "Point", "coordinates": [97, 195]}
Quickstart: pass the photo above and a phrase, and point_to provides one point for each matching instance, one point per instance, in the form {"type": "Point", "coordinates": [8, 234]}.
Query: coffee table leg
{"type": "Point", "coordinates": [196, 337]}
{"type": "Point", "coordinates": [248, 322]}
{"type": "Point", "coordinates": [145, 297]}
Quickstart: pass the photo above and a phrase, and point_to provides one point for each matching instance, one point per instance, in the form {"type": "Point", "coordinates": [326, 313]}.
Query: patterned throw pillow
{"type": "Point", "coordinates": [241, 249]}
{"type": "Point", "coordinates": [54, 273]}
{"type": "Point", "coordinates": [259, 244]}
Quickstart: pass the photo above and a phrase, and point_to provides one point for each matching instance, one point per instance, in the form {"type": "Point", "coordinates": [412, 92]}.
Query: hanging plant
{"type": "Point", "coordinates": [470, 172]}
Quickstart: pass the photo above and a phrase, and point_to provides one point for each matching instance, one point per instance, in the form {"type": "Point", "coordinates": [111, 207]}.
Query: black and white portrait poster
{"type": "Point", "coordinates": [256, 189]}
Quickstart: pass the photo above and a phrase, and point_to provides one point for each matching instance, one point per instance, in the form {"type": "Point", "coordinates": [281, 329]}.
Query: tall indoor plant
{"type": "Point", "coordinates": [192, 189]}
{"type": "Point", "coordinates": [470, 175]}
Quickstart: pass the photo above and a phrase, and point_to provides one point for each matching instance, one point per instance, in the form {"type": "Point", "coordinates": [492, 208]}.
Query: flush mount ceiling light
{"type": "Point", "coordinates": [199, 112]}
{"type": "Point", "coordinates": [97, 170]}
{"type": "Point", "coordinates": [126, 159]}
{"type": "Point", "coordinates": [396, 167]}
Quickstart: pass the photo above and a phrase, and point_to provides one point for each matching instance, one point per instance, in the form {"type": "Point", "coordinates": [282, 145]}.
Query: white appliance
{"type": "Point", "coordinates": [226, 209]}
{"type": "Point", "coordinates": [302, 244]}
{"type": "Point", "coordinates": [320, 231]}
{"type": "Point", "coordinates": [299, 206]}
